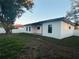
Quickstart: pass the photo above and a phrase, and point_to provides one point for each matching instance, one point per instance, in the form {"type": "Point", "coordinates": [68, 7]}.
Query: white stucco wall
{"type": "Point", "coordinates": [2, 30]}
{"type": "Point", "coordinates": [37, 31]}
{"type": "Point", "coordinates": [28, 29]}
{"type": "Point", "coordinates": [60, 29]}
{"type": "Point", "coordinates": [76, 32]}
{"type": "Point", "coordinates": [56, 28]}
{"type": "Point", "coordinates": [65, 31]}
{"type": "Point", "coordinates": [34, 29]}
{"type": "Point", "coordinates": [20, 30]}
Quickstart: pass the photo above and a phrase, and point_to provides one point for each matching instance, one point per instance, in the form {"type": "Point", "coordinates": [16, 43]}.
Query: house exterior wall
{"type": "Point", "coordinates": [66, 30]}
{"type": "Point", "coordinates": [27, 31]}
{"type": "Point", "coordinates": [56, 28]}
{"type": "Point", "coordinates": [76, 32]}
{"type": "Point", "coordinates": [34, 29]}
{"type": "Point", "coordinates": [37, 31]}
{"type": "Point", "coordinates": [60, 29]}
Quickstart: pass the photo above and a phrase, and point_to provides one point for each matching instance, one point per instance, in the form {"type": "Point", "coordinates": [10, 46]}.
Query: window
{"type": "Point", "coordinates": [50, 28]}
{"type": "Point", "coordinates": [69, 27]}
{"type": "Point", "coordinates": [29, 28]}
{"type": "Point", "coordinates": [38, 28]}
{"type": "Point", "coordinates": [26, 28]}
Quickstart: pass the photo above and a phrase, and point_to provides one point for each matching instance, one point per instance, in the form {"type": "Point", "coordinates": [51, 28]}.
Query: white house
{"type": "Point", "coordinates": [57, 28]}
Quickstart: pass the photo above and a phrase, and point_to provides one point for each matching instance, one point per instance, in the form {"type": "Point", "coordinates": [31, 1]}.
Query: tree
{"type": "Point", "coordinates": [10, 9]}
{"type": "Point", "coordinates": [73, 14]}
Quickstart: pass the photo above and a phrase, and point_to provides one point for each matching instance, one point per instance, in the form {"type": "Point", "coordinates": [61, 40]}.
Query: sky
{"type": "Point", "coordinates": [44, 10]}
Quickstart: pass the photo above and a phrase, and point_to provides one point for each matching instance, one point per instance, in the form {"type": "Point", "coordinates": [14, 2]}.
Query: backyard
{"type": "Point", "coordinates": [29, 46]}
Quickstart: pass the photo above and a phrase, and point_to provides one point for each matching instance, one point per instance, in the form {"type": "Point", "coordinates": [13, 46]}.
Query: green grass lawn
{"type": "Point", "coordinates": [72, 41]}
{"type": "Point", "coordinates": [11, 45]}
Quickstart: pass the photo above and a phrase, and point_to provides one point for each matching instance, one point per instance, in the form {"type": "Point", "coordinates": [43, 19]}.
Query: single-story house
{"type": "Point", "coordinates": [57, 28]}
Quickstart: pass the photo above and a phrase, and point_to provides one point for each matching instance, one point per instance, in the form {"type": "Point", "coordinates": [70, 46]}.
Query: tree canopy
{"type": "Point", "coordinates": [73, 14]}
{"type": "Point", "coordinates": [10, 9]}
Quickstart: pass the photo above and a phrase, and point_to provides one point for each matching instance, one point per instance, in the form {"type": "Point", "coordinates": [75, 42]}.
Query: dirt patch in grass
{"type": "Point", "coordinates": [39, 48]}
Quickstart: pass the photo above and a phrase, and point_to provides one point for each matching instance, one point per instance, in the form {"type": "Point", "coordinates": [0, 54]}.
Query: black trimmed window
{"type": "Point", "coordinates": [26, 28]}
{"type": "Point", "coordinates": [38, 27]}
{"type": "Point", "coordinates": [50, 28]}
{"type": "Point", "coordinates": [29, 28]}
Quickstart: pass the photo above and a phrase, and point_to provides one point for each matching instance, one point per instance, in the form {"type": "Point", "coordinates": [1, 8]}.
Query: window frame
{"type": "Point", "coordinates": [29, 28]}
{"type": "Point", "coordinates": [50, 28]}
{"type": "Point", "coordinates": [26, 28]}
